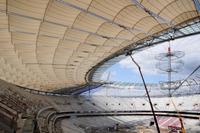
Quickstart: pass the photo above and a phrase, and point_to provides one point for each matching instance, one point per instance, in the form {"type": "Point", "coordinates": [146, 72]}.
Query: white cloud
{"type": "Point", "coordinates": [146, 59]}
{"type": "Point", "coordinates": [108, 75]}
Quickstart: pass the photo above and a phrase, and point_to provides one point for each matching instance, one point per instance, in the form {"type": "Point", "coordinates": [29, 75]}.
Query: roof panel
{"type": "Point", "coordinates": [77, 34]}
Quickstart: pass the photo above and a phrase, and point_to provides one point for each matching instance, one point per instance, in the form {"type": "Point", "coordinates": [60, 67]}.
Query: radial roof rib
{"type": "Point", "coordinates": [52, 44]}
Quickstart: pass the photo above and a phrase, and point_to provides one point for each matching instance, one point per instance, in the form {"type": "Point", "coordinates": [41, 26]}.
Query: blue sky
{"type": "Point", "coordinates": [126, 71]}
{"type": "Point", "coordinates": [120, 73]}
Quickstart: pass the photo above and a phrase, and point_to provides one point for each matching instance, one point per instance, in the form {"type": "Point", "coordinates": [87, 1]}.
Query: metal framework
{"type": "Point", "coordinates": [184, 30]}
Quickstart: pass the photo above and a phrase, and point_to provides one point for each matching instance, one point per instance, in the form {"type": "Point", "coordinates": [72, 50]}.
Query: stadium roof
{"type": "Point", "coordinates": [53, 44]}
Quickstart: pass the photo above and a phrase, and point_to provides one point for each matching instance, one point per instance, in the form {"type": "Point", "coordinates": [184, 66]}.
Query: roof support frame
{"type": "Point", "coordinates": [140, 45]}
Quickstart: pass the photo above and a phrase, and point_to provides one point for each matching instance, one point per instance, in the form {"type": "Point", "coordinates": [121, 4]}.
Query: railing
{"type": "Point", "coordinates": [58, 116]}
{"type": "Point", "coordinates": [43, 118]}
